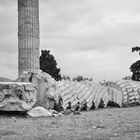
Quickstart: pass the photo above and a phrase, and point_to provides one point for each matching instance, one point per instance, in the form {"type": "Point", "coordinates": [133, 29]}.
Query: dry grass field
{"type": "Point", "coordinates": [101, 124]}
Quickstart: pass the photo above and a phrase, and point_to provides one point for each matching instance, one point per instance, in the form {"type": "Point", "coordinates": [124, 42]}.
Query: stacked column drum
{"type": "Point", "coordinates": [28, 36]}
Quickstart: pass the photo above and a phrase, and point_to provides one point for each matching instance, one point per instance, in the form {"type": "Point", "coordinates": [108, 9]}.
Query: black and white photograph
{"type": "Point", "coordinates": [69, 69]}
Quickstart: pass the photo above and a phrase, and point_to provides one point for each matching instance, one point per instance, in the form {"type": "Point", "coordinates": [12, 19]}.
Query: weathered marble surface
{"type": "Point", "coordinates": [39, 112]}
{"type": "Point", "coordinates": [16, 96]}
{"type": "Point", "coordinates": [28, 35]}
{"type": "Point", "coordinates": [49, 91]}
{"type": "Point", "coordinates": [46, 87]}
{"type": "Point", "coordinates": [130, 90]}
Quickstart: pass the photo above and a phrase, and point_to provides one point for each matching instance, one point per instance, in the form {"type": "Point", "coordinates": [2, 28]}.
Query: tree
{"type": "Point", "coordinates": [127, 78]}
{"type": "Point", "coordinates": [81, 78]}
{"type": "Point", "coordinates": [88, 79]}
{"type": "Point", "coordinates": [136, 49]}
{"type": "Point", "coordinates": [64, 77]}
{"type": "Point", "coordinates": [135, 67]}
{"type": "Point", "coordinates": [48, 64]}
{"type": "Point", "coordinates": [78, 78]}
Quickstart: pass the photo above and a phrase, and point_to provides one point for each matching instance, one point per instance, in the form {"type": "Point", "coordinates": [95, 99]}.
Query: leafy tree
{"type": "Point", "coordinates": [88, 79]}
{"type": "Point", "coordinates": [48, 64]}
{"type": "Point", "coordinates": [81, 78]}
{"type": "Point", "coordinates": [126, 78]}
{"type": "Point", "coordinates": [66, 77]}
{"type": "Point", "coordinates": [135, 67]}
{"type": "Point", "coordinates": [78, 78]}
{"type": "Point", "coordinates": [136, 49]}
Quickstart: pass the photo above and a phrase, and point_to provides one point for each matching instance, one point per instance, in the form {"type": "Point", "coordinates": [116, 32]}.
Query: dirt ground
{"type": "Point", "coordinates": [101, 124]}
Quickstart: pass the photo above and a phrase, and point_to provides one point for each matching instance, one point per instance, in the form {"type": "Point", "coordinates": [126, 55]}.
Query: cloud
{"type": "Point", "coordinates": [98, 33]}
{"type": "Point", "coordinates": [100, 29]}
{"type": "Point", "coordinates": [91, 38]}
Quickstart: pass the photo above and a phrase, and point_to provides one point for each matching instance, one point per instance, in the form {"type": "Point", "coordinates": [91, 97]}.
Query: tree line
{"type": "Point", "coordinates": [48, 64]}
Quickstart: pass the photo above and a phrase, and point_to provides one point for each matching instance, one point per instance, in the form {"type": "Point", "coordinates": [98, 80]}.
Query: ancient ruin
{"type": "Point", "coordinates": [121, 93]}
{"type": "Point", "coordinates": [28, 36]}
{"type": "Point", "coordinates": [35, 88]}
{"type": "Point", "coordinates": [17, 96]}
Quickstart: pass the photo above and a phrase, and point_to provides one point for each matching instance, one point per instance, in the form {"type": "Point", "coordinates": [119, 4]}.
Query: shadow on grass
{"type": "Point", "coordinates": [13, 114]}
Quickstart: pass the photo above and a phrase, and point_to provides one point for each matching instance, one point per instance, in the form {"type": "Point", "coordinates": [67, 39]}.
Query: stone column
{"type": "Point", "coordinates": [28, 36]}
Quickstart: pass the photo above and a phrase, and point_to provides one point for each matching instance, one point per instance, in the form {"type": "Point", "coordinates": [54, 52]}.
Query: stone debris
{"type": "Point", "coordinates": [128, 91]}
{"type": "Point", "coordinates": [58, 115]}
{"type": "Point", "coordinates": [14, 118]}
{"type": "Point", "coordinates": [100, 127]}
{"type": "Point", "coordinates": [116, 135]}
{"type": "Point", "coordinates": [95, 95]}
{"type": "Point", "coordinates": [49, 91]}
{"type": "Point", "coordinates": [42, 112]}
{"type": "Point", "coordinates": [94, 127]}
{"type": "Point", "coordinates": [39, 112]}
{"type": "Point", "coordinates": [45, 86]}
{"type": "Point", "coordinates": [16, 96]}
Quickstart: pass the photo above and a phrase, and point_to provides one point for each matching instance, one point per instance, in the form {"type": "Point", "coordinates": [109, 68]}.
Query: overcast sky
{"type": "Point", "coordinates": [92, 38]}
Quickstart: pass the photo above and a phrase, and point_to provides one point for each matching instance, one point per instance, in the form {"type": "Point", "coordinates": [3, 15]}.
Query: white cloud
{"type": "Point", "coordinates": [91, 38]}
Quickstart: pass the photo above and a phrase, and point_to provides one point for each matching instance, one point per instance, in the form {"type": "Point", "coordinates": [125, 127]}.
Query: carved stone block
{"type": "Point", "coordinates": [16, 96]}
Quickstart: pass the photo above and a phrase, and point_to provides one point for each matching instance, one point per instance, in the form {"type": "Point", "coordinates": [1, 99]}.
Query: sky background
{"type": "Point", "coordinates": [92, 38]}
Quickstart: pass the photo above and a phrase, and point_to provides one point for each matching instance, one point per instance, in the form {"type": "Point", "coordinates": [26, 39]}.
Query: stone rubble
{"type": "Point", "coordinates": [40, 89]}
{"type": "Point", "coordinates": [49, 91]}
{"type": "Point", "coordinates": [16, 96]}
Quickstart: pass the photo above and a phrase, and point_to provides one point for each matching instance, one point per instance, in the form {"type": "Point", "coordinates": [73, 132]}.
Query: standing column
{"type": "Point", "coordinates": [28, 36]}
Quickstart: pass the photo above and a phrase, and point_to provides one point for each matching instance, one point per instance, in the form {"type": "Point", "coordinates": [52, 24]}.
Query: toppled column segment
{"type": "Point", "coordinates": [16, 96]}
{"type": "Point", "coordinates": [46, 87]}
{"type": "Point", "coordinates": [49, 91]}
